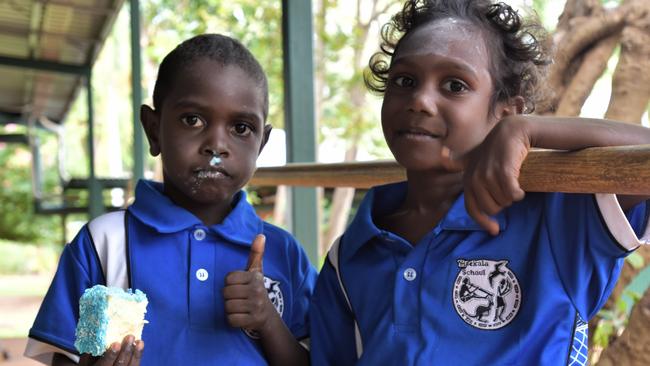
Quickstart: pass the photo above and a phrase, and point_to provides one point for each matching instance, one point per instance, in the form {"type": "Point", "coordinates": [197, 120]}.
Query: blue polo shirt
{"type": "Point", "coordinates": [461, 296]}
{"type": "Point", "coordinates": [181, 265]}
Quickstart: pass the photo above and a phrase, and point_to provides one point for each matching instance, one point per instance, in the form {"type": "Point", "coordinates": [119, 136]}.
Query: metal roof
{"type": "Point", "coordinates": [47, 47]}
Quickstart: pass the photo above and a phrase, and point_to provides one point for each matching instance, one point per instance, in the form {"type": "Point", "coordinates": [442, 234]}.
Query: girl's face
{"type": "Point", "coordinates": [438, 94]}
{"type": "Point", "coordinates": [211, 108]}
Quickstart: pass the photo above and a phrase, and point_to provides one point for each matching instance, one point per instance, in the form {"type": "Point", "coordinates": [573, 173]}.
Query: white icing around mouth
{"type": "Point", "coordinates": [210, 174]}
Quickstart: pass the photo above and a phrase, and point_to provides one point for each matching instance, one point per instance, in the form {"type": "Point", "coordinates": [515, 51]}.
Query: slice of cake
{"type": "Point", "coordinates": [107, 315]}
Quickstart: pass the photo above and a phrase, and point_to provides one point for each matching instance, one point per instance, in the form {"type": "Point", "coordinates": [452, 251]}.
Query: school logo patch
{"type": "Point", "coordinates": [486, 293]}
{"type": "Point", "coordinates": [277, 299]}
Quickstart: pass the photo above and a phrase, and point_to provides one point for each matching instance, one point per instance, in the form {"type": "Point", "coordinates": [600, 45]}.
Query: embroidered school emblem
{"type": "Point", "coordinates": [277, 299]}
{"type": "Point", "coordinates": [486, 293]}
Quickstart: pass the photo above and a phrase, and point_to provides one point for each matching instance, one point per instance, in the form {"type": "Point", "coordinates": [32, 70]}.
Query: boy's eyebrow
{"type": "Point", "coordinates": [249, 115]}
{"type": "Point", "coordinates": [189, 103]}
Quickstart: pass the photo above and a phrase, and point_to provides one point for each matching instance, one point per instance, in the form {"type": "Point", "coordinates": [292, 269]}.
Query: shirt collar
{"type": "Point", "coordinates": [387, 198]}
{"type": "Point", "coordinates": [153, 208]}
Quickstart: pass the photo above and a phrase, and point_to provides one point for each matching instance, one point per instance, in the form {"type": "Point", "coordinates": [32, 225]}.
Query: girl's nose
{"type": "Point", "coordinates": [424, 101]}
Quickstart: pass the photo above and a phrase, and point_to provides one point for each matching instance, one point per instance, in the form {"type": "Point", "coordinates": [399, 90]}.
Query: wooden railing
{"type": "Point", "coordinates": [622, 169]}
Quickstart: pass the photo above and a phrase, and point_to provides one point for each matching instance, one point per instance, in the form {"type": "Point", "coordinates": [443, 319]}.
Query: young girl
{"type": "Point", "coordinates": [456, 266]}
{"type": "Point", "coordinates": [188, 240]}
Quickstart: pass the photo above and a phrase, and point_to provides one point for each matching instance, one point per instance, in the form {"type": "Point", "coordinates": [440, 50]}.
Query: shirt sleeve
{"type": "Point", "coordinates": [56, 321]}
{"type": "Point", "coordinates": [587, 249]}
{"type": "Point", "coordinates": [332, 322]}
{"type": "Point", "coordinates": [304, 279]}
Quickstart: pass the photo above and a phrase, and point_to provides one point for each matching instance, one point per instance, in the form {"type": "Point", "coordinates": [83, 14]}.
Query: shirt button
{"type": "Point", "coordinates": [410, 274]}
{"type": "Point", "coordinates": [201, 274]}
{"type": "Point", "coordinates": [199, 234]}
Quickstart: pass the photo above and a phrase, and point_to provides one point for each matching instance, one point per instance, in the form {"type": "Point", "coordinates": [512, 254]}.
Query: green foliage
{"type": "Point", "coordinates": [18, 221]}
{"type": "Point", "coordinates": [258, 25]}
{"type": "Point", "coordinates": [635, 260]}
{"type": "Point", "coordinates": [614, 321]}
{"type": "Point", "coordinates": [21, 258]}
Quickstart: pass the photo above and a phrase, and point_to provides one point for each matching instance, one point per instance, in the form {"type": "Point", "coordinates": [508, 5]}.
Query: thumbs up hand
{"type": "Point", "coordinates": [257, 252]}
{"type": "Point", "coordinates": [247, 303]}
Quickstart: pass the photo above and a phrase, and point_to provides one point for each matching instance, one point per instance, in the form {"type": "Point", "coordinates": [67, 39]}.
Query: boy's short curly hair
{"type": "Point", "coordinates": [518, 53]}
{"type": "Point", "coordinates": [215, 47]}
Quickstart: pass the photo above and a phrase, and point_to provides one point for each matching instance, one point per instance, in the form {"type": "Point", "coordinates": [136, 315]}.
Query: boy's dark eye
{"type": "Point", "coordinates": [192, 120]}
{"type": "Point", "coordinates": [404, 81]}
{"type": "Point", "coordinates": [455, 86]}
{"type": "Point", "coordinates": [242, 129]}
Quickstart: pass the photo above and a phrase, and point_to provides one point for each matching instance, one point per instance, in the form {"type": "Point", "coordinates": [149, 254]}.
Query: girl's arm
{"type": "Point", "coordinates": [492, 169]}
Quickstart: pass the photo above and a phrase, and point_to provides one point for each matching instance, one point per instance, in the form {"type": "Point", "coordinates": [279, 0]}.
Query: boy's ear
{"type": "Point", "coordinates": [151, 124]}
{"type": "Point", "coordinates": [265, 137]}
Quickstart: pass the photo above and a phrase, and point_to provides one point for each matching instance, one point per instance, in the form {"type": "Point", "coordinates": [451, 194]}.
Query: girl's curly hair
{"type": "Point", "coordinates": [517, 48]}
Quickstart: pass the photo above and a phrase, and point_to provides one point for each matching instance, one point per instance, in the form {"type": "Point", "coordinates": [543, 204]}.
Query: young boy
{"type": "Point", "coordinates": [455, 266]}
{"type": "Point", "coordinates": [188, 240]}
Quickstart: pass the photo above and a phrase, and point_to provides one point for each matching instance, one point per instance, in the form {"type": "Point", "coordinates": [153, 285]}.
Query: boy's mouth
{"type": "Point", "coordinates": [211, 173]}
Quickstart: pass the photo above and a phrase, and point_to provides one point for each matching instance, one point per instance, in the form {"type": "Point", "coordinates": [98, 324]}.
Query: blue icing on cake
{"type": "Point", "coordinates": [107, 315]}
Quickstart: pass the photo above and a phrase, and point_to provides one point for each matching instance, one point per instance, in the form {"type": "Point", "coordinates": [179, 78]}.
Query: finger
{"type": "Point", "coordinates": [233, 292]}
{"type": "Point", "coordinates": [512, 187]}
{"type": "Point", "coordinates": [485, 201]}
{"type": "Point", "coordinates": [481, 218]}
{"type": "Point", "coordinates": [137, 353]}
{"type": "Point", "coordinates": [239, 320]}
{"type": "Point", "coordinates": [257, 252]}
{"type": "Point", "coordinates": [450, 162]}
{"type": "Point", "coordinates": [239, 278]}
{"type": "Point", "coordinates": [237, 306]}
{"type": "Point", "coordinates": [124, 358]}
{"type": "Point", "coordinates": [110, 355]}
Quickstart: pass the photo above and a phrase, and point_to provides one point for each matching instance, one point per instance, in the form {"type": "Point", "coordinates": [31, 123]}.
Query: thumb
{"type": "Point", "coordinates": [257, 252]}
{"type": "Point", "coordinates": [451, 163]}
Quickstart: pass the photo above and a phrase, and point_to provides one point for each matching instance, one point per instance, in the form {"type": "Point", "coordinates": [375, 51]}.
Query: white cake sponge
{"type": "Point", "coordinates": [107, 315]}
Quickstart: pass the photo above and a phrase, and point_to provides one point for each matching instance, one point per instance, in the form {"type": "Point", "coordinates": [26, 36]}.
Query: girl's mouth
{"type": "Point", "coordinates": [417, 134]}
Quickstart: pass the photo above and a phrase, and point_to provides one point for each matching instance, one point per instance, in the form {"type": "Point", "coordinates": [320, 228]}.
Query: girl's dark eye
{"type": "Point", "coordinates": [455, 86]}
{"type": "Point", "coordinates": [404, 81]}
{"type": "Point", "coordinates": [242, 129]}
{"type": "Point", "coordinates": [192, 120]}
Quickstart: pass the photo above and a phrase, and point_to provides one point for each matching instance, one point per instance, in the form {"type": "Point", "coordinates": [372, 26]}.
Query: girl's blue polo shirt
{"type": "Point", "coordinates": [463, 297]}
{"type": "Point", "coordinates": [181, 265]}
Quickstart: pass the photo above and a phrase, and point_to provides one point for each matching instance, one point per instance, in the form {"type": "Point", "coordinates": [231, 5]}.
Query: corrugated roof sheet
{"type": "Point", "coordinates": [66, 33]}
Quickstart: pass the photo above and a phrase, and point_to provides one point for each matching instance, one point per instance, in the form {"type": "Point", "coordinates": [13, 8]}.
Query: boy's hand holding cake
{"type": "Point", "coordinates": [110, 321]}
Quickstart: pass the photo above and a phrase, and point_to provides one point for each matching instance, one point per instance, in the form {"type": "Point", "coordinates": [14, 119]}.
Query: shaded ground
{"type": "Point", "coordinates": [20, 297]}
{"type": "Point", "coordinates": [14, 348]}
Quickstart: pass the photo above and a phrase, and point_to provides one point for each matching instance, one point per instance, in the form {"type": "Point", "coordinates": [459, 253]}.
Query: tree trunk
{"type": "Point", "coordinates": [585, 38]}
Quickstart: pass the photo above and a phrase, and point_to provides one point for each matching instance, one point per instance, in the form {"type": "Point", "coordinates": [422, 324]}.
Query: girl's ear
{"type": "Point", "coordinates": [513, 106]}
{"type": "Point", "coordinates": [151, 124]}
{"type": "Point", "coordinates": [265, 137]}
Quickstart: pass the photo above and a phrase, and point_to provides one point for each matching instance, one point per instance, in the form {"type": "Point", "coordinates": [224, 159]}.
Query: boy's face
{"type": "Point", "coordinates": [438, 94]}
{"type": "Point", "coordinates": [210, 108]}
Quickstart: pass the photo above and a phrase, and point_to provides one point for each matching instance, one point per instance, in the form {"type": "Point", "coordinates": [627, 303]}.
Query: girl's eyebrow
{"type": "Point", "coordinates": [454, 64]}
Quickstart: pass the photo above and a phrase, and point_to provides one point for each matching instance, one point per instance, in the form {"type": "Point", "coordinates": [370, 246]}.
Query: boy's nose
{"type": "Point", "coordinates": [212, 151]}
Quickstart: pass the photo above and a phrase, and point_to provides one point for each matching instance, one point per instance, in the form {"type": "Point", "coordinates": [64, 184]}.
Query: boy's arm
{"type": "Point", "coordinates": [247, 306]}
{"type": "Point", "coordinates": [279, 345]}
{"type": "Point", "coordinates": [492, 169]}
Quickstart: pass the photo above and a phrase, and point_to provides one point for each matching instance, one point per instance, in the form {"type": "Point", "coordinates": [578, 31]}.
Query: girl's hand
{"type": "Point", "coordinates": [247, 303]}
{"type": "Point", "coordinates": [129, 353]}
{"type": "Point", "coordinates": [491, 171]}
